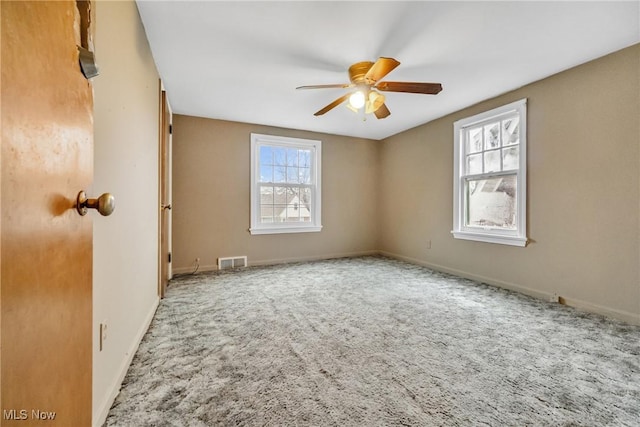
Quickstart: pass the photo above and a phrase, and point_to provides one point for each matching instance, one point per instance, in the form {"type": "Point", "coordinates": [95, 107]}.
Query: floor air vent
{"type": "Point", "coordinates": [232, 262]}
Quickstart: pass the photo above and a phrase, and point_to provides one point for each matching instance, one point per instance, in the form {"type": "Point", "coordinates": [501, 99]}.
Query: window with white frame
{"type": "Point", "coordinates": [285, 185]}
{"type": "Point", "coordinates": [490, 173]}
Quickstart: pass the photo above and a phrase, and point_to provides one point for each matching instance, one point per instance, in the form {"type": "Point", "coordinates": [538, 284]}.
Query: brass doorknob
{"type": "Point", "coordinates": [105, 204]}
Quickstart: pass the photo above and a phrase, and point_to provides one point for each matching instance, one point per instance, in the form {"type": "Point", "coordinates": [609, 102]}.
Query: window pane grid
{"type": "Point", "coordinates": [490, 175]}
{"type": "Point", "coordinates": [492, 146]}
{"type": "Point", "coordinates": [285, 165]}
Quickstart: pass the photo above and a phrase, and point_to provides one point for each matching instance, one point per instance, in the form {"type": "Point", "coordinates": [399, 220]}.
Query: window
{"type": "Point", "coordinates": [489, 190]}
{"type": "Point", "coordinates": [285, 185]}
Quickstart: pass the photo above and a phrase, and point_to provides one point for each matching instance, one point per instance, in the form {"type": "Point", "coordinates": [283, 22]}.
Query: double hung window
{"type": "Point", "coordinates": [285, 185]}
{"type": "Point", "coordinates": [490, 176]}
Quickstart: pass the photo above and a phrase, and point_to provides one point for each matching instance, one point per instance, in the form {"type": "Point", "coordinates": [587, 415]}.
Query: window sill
{"type": "Point", "coordinates": [491, 238]}
{"type": "Point", "coordinates": [284, 230]}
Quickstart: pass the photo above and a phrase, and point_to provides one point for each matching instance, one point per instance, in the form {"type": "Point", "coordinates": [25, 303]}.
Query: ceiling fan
{"type": "Point", "coordinates": [365, 78]}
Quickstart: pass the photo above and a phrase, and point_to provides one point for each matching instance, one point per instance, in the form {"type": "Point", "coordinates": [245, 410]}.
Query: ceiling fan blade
{"type": "Point", "coordinates": [410, 87]}
{"type": "Point", "coordinates": [382, 112]}
{"type": "Point", "coordinates": [381, 68]}
{"type": "Point", "coordinates": [336, 86]}
{"type": "Point", "coordinates": [333, 105]}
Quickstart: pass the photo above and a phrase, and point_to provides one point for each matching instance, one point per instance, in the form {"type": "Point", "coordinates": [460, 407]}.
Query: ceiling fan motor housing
{"type": "Point", "coordinates": [358, 70]}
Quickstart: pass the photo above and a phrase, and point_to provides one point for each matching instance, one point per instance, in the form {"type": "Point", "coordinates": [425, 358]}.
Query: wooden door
{"type": "Point", "coordinates": [165, 193]}
{"type": "Point", "coordinates": [46, 247]}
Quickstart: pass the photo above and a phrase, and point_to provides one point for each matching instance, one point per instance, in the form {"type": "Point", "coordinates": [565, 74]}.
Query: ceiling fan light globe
{"type": "Point", "coordinates": [356, 100]}
{"type": "Point", "coordinates": [375, 101]}
{"type": "Point", "coordinates": [368, 107]}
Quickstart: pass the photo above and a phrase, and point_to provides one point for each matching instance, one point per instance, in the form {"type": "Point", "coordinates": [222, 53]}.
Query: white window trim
{"type": "Point", "coordinates": [516, 237]}
{"type": "Point", "coordinates": [258, 140]}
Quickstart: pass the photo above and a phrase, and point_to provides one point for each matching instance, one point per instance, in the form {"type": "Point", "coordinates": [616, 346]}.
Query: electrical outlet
{"type": "Point", "coordinates": [103, 333]}
{"type": "Point", "coordinates": [554, 297]}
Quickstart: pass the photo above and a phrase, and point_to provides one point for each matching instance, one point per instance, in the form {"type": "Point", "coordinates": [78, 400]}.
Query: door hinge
{"type": "Point", "coordinates": [169, 257]}
{"type": "Point", "coordinates": [170, 128]}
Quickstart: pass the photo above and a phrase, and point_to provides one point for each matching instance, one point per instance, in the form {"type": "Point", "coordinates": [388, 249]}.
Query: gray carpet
{"type": "Point", "coordinates": [374, 342]}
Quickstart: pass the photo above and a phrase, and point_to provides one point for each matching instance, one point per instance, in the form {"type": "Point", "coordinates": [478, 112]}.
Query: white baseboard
{"type": "Point", "coordinates": [625, 316]}
{"type": "Point", "coordinates": [101, 415]}
{"type": "Point", "coordinates": [189, 270]}
{"type": "Point", "coordinates": [274, 261]}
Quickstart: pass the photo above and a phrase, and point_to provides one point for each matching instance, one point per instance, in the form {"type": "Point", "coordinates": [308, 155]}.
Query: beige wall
{"type": "Point", "coordinates": [211, 196]}
{"type": "Point", "coordinates": [126, 164]}
{"type": "Point", "coordinates": [583, 198]}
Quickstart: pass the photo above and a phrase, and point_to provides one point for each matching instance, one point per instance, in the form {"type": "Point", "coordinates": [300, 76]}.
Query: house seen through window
{"type": "Point", "coordinates": [285, 184]}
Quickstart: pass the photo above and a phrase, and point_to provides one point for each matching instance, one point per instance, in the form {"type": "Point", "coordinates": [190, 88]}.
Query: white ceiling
{"type": "Point", "coordinates": [242, 61]}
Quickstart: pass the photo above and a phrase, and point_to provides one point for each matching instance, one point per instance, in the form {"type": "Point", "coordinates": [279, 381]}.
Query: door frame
{"type": "Point", "coordinates": [164, 191]}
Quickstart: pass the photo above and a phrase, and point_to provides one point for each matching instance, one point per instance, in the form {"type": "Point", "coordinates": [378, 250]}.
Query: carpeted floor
{"type": "Point", "coordinates": [374, 342]}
